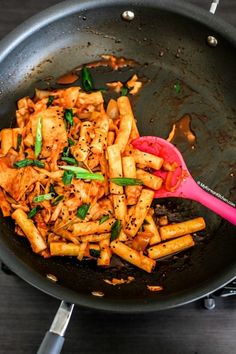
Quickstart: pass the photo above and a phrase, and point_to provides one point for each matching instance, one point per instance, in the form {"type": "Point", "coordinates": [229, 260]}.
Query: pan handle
{"type": "Point", "coordinates": [219, 204]}
{"type": "Point", "coordinates": [52, 344]}
{"type": "Point", "coordinates": [213, 7]}
{"type": "Point", "coordinates": [54, 339]}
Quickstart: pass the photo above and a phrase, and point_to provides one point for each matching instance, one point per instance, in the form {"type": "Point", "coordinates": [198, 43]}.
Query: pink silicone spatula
{"type": "Point", "coordinates": [186, 186]}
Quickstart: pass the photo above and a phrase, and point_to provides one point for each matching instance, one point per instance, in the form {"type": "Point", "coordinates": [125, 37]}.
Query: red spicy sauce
{"type": "Point", "coordinates": [69, 78]}
{"type": "Point", "coordinates": [181, 130]}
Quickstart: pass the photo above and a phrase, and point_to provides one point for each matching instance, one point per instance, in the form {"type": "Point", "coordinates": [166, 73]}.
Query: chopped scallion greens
{"type": "Point", "coordinates": [94, 253]}
{"type": "Point", "coordinates": [23, 163]}
{"type": "Point", "coordinates": [91, 176]}
{"type": "Point", "coordinates": [71, 142]}
{"type": "Point", "coordinates": [69, 160]}
{"type": "Point", "coordinates": [177, 87]}
{"type": "Point", "coordinates": [80, 173]}
{"type": "Point", "coordinates": [38, 138]}
{"type": "Point", "coordinates": [66, 151]}
{"type": "Point", "coordinates": [103, 219]}
{"type": "Point", "coordinates": [19, 141]}
{"type": "Point", "coordinates": [52, 189]}
{"type": "Point", "coordinates": [87, 80]}
{"type": "Point", "coordinates": [67, 177]}
{"type": "Point", "coordinates": [124, 91]}
{"type": "Point", "coordinates": [28, 162]}
{"type": "Point", "coordinates": [57, 200]}
{"type": "Point", "coordinates": [68, 115]}
{"type": "Point", "coordinates": [43, 197]}
{"type": "Point", "coordinates": [50, 100]}
{"type": "Point", "coordinates": [115, 230]}
{"type": "Point", "coordinates": [82, 211]}
{"type": "Point", "coordinates": [38, 163]}
{"type": "Point", "coordinates": [33, 212]}
{"type": "Point", "coordinates": [75, 169]}
{"type": "Point", "coordinates": [120, 181]}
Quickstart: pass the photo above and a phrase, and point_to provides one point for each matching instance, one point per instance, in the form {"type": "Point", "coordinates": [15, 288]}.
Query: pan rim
{"type": "Point", "coordinates": [7, 45]}
{"type": "Point", "coordinates": [69, 7]}
{"type": "Point", "coordinates": [102, 303]}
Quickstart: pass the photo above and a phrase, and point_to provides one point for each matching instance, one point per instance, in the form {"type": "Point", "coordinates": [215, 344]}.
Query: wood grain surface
{"type": "Point", "coordinates": [26, 313]}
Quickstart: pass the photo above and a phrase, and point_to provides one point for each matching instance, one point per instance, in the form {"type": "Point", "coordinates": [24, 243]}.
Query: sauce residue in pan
{"type": "Point", "coordinates": [69, 78]}
{"type": "Point", "coordinates": [181, 130]}
{"type": "Point", "coordinates": [111, 61]}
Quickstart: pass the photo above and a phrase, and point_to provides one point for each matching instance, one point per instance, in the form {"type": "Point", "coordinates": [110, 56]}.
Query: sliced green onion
{"type": "Point", "coordinates": [33, 212]}
{"type": "Point", "coordinates": [67, 177]}
{"type": "Point", "coordinates": [82, 173]}
{"type": "Point", "coordinates": [57, 200]}
{"type": "Point", "coordinates": [103, 219]}
{"type": "Point", "coordinates": [87, 80]}
{"type": "Point", "coordinates": [28, 162]}
{"type": "Point", "coordinates": [75, 169]}
{"type": "Point", "coordinates": [177, 87]}
{"type": "Point", "coordinates": [94, 253]}
{"type": "Point", "coordinates": [120, 181]}
{"type": "Point", "coordinates": [38, 163]}
{"type": "Point", "coordinates": [38, 138]}
{"type": "Point", "coordinates": [124, 91]}
{"type": "Point", "coordinates": [43, 197]}
{"type": "Point", "coordinates": [50, 100]}
{"type": "Point", "coordinates": [19, 141]}
{"type": "Point", "coordinates": [52, 189]}
{"type": "Point", "coordinates": [69, 160]}
{"type": "Point", "coordinates": [82, 211]}
{"type": "Point", "coordinates": [93, 176]}
{"type": "Point", "coordinates": [71, 142]}
{"type": "Point", "coordinates": [66, 151]}
{"type": "Point", "coordinates": [68, 115]}
{"type": "Point", "coordinates": [115, 230]}
{"type": "Point", "coordinates": [23, 163]}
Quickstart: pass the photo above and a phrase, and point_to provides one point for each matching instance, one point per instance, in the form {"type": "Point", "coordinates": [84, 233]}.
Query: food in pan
{"type": "Point", "coordinates": [74, 184]}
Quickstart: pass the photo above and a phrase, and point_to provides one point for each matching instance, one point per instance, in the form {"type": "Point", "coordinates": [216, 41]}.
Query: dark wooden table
{"type": "Point", "coordinates": [26, 313]}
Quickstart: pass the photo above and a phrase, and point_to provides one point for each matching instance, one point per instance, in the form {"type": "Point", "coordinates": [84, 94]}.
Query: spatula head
{"type": "Point", "coordinates": [162, 148]}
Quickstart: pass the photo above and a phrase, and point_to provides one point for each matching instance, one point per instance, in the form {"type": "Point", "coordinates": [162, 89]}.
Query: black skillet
{"type": "Point", "coordinates": [170, 40]}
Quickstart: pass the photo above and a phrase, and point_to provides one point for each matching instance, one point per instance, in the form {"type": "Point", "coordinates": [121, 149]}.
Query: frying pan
{"type": "Point", "coordinates": [170, 41]}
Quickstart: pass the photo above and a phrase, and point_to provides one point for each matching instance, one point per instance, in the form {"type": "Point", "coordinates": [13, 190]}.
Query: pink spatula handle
{"type": "Point", "coordinates": [221, 208]}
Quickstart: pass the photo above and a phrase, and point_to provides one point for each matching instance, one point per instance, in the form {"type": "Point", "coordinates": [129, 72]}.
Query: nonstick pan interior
{"type": "Point", "coordinates": [170, 48]}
